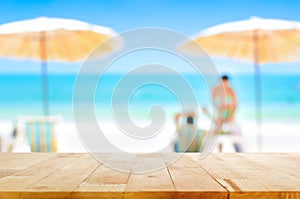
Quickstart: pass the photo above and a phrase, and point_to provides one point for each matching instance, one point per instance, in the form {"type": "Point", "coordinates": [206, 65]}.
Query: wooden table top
{"type": "Point", "coordinates": [38, 175]}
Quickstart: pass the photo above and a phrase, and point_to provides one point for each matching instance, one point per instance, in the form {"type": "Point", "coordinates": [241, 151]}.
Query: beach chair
{"type": "Point", "coordinates": [39, 132]}
{"type": "Point", "coordinates": [189, 139]}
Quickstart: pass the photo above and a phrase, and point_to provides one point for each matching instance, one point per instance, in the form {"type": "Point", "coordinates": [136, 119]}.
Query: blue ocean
{"type": "Point", "coordinates": [22, 95]}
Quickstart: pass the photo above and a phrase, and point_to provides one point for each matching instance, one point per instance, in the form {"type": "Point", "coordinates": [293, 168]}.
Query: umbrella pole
{"type": "Point", "coordinates": [44, 73]}
{"type": "Point", "coordinates": [45, 88]}
{"type": "Point", "coordinates": [258, 107]}
{"type": "Point", "coordinates": [259, 140]}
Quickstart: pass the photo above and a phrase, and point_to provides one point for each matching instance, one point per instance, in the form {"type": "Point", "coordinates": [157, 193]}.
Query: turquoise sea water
{"type": "Point", "coordinates": [22, 94]}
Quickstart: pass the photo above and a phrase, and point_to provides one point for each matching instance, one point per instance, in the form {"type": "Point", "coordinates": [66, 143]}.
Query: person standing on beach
{"type": "Point", "coordinates": [225, 105]}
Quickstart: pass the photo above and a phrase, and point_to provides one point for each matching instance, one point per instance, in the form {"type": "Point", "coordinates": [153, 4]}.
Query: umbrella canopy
{"type": "Point", "coordinates": [257, 40]}
{"type": "Point", "coordinates": [53, 39]}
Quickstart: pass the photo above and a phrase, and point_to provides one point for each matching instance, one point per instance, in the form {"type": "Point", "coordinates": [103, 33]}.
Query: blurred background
{"type": "Point", "coordinates": [21, 82]}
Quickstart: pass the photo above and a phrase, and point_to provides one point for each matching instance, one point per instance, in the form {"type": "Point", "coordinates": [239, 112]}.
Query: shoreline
{"type": "Point", "coordinates": [277, 137]}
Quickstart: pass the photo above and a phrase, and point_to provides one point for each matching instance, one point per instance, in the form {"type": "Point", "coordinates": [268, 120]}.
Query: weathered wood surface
{"type": "Point", "coordinates": [223, 176]}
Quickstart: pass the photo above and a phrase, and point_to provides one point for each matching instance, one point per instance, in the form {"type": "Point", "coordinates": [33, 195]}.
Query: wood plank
{"type": "Point", "coordinates": [288, 164]}
{"type": "Point", "coordinates": [20, 161]}
{"type": "Point", "coordinates": [15, 186]}
{"type": "Point", "coordinates": [103, 183]}
{"type": "Point", "coordinates": [8, 172]}
{"type": "Point", "coordinates": [245, 179]}
{"type": "Point", "coordinates": [196, 183]}
{"type": "Point", "coordinates": [44, 195]}
{"type": "Point", "coordinates": [14, 162]}
{"type": "Point", "coordinates": [191, 180]}
{"type": "Point", "coordinates": [145, 163]}
{"type": "Point", "coordinates": [147, 184]}
{"type": "Point", "coordinates": [180, 160]}
{"type": "Point", "coordinates": [152, 185]}
{"type": "Point", "coordinates": [65, 179]}
{"type": "Point", "coordinates": [265, 195]}
{"type": "Point", "coordinates": [29, 175]}
{"type": "Point", "coordinates": [81, 176]}
{"type": "Point", "coordinates": [47, 178]}
{"type": "Point", "coordinates": [117, 161]}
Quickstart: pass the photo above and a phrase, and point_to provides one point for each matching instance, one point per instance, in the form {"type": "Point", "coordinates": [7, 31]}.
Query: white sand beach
{"type": "Point", "coordinates": [277, 137]}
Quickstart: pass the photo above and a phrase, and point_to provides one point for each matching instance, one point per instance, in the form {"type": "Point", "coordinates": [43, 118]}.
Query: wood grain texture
{"type": "Point", "coordinates": [244, 178]}
{"type": "Point", "coordinates": [104, 182]}
{"type": "Point", "coordinates": [192, 181]}
{"type": "Point", "coordinates": [285, 163]}
{"type": "Point", "coordinates": [31, 173]}
{"type": "Point", "coordinates": [221, 176]}
{"type": "Point", "coordinates": [149, 184]}
{"type": "Point", "coordinates": [21, 161]}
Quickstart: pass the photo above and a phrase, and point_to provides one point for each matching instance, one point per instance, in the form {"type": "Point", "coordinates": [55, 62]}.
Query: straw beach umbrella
{"type": "Point", "coordinates": [257, 40]}
{"type": "Point", "coordinates": [53, 39]}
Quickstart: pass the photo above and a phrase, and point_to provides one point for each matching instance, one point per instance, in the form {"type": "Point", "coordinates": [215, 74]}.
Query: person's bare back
{"type": "Point", "coordinates": [224, 101]}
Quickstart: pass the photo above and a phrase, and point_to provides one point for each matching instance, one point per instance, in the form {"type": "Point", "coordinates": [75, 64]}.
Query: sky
{"type": "Point", "coordinates": [187, 17]}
